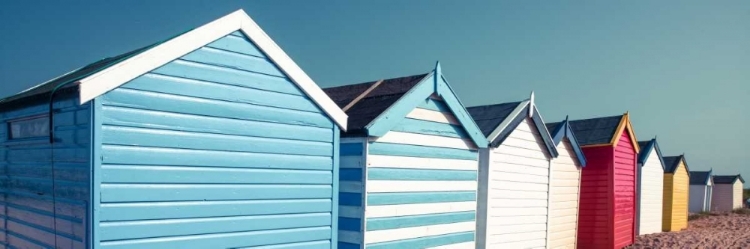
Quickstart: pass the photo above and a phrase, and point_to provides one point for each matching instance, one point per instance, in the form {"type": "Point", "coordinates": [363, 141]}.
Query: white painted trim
{"type": "Point", "coordinates": [402, 162]}
{"type": "Point", "coordinates": [507, 120]}
{"type": "Point", "coordinates": [419, 209]}
{"type": "Point", "coordinates": [434, 116]}
{"type": "Point", "coordinates": [417, 232]}
{"type": "Point", "coordinates": [122, 72]}
{"type": "Point", "coordinates": [425, 140]}
{"type": "Point", "coordinates": [387, 186]}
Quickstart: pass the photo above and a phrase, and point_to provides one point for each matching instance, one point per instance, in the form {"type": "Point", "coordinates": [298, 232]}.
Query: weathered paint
{"type": "Point", "coordinates": [45, 187]}
{"type": "Point", "coordinates": [565, 180]}
{"type": "Point", "coordinates": [413, 198]}
{"type": "Point", "coordinates": [607, 208]}
{"type": "Point", "coordinates": [726, 197]}
{"type": "Point", "coordinates": [515, 178]}
{"type": "Point", "coordinates": [216, 149]}
{"type": "Point", "coordinates": [675, 211]}
{"type": "Point", "coordinates": [651, 194]}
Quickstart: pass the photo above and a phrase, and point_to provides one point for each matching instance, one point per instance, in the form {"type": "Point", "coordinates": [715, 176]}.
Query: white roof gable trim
{"type": "Point", "coordinates": [507, 120]}
{"type": "Point", "coordinates": [127, 70]}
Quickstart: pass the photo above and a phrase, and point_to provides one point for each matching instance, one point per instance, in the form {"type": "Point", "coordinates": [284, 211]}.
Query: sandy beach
{"type": "Point", "coordinates": [726, 230]}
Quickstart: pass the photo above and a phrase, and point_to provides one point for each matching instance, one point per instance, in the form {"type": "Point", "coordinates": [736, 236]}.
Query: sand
{"type": "Point", "coordinates": [727, 230]}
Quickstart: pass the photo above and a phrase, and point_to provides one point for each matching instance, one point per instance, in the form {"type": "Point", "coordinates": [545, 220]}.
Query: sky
{"type": "Point", "coordinates": [681, 68]}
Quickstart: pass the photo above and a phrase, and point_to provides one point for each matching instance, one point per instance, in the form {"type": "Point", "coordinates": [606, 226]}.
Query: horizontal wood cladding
{"type": "Point", "coordinates": [624, 192]}
{"type": "Point", "coordinates": [651, 195]}
{"type": "Point", "coordinates": [216, 149]}
{"type": "Point", "coordinates": [594, 215]}
{"type": "Point", "coordinates": [723, 198]}
{"type": "Point", "coordinates": [517, 196]}
{"type": "Point", "coordinates": [564, 197]}
{"type": "Point", "coordinates": [421, 183]}
{"type": "Point", "coordinates": [45, 186]}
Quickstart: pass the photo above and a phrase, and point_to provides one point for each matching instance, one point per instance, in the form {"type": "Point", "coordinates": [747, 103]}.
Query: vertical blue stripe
{"type": "Point", "coordinates": [335, 191]}
{"type": "Point", "coordinates": [96, 166]}
{"type": "Point", "coordinates": [350, 174]}
{"type": "Point", "coordinates": [350, 224]}
{"type": "Point", "coordinates": [350, 199]}
{"type": "Point", "coordinates": [351, 149]}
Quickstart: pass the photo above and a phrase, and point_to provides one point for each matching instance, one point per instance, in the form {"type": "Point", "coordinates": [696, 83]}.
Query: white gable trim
{"type": "Point", "coordinates": [122, 72]}
{"type": "Point", "coordinates": [507, 120]}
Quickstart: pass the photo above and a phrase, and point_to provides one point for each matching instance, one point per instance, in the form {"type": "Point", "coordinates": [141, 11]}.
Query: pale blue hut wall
{"type": "Point", "coordinates": [41, 181]}
{"type": "Point", "coordinates": [421, 196]}
{"type": "Point", "coordinates": [217, 149]}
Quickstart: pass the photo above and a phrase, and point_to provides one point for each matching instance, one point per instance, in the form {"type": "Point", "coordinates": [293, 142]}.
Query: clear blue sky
{"type": "Point", "coordinates": [682, 68]}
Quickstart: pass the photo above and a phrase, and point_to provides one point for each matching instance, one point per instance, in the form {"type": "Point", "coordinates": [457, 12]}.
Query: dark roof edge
{"type": "Point", "coordinates": [538, 124]}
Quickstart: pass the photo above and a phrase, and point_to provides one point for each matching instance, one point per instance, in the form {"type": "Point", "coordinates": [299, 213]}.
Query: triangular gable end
{"type": "Point", "coordinates": [646, 152]}
{"type": "Point", "coordinates": [563, 131]}
{"type": "Point", "coordinates": [520, 113]}
{"type": "Point", "coordinates": [433, 83]}
{"type": "Point", "coordinates": [122, 72]}
{"type": "Point", "coordinates": [684, 162]}
{"type": "Point", "coordinates": [625, 125]}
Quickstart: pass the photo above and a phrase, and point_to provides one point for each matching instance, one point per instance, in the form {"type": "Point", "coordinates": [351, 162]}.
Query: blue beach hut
{"type": "Point", "coordinates": [408, 165]}
{"type": "Point", "coordinates": [214, 138]}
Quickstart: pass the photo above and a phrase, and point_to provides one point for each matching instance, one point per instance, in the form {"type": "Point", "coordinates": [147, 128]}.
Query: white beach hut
{"type": "Point", "coordinates": [650, 188]}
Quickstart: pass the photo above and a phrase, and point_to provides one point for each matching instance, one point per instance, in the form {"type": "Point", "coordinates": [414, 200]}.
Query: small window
{"type": "Point", "coordinates": [29, 127]}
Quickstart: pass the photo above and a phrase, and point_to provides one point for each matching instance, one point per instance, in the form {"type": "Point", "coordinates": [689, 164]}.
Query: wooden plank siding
{"type": "Point", "coordinates": [652, 195]}
{"type": "Point", "coordinates": [216, 149]}
{"type": "Point", "coordinates": [624, 192]}
{"type": "Point", "coordinates": [351, 192]}
{"type": "Point", "coordinates": [565, 180]}
{"type": "Point", "coordinates": [676, 187]}
{"type": "Point", "coordinates": [594, 214]}
{"type": "Point", "coordinates": [737, 195]}
{"type": "Point", "coordinates": [723, 198]}
{"type": "Point", "coordinates": [517, 191]}
{"type": "Point", "coordinates": [421, 183]}
{"type": "Point", "coordinates": [698, 196]}
{"type": "Point", "coordinates": [45, 187]}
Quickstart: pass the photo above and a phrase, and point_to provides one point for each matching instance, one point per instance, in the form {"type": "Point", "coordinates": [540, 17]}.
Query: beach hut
{"type": "Point", "coordinates": [606, 216]}
{"type": "Point", "coordinates": [701, 189]}
{"type": "Point", "coordinates": [676, 187]}
{"type": "Point", "coordinates": [513, 176]}
{"type": "Point", "coordinates": [409, 165]}
{"type": "Point", "coordinates": [211, 139]}
{"type": "Point", "coordinates": [565, 183]}
{"type": "Point", "coordinates": [727, 193]}
{"type": "Point", "coordinates": [650, 188]}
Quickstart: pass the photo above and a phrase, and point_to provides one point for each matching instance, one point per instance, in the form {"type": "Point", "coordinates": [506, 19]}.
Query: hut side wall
{"type": "Point", "coordinates": [675, 199]}
{"type": "Point", "coordinates": [737, 195]}
{"type": "Point", "coordinates": [624, 192]}
{"type": "Point", "coordinates": [565, 181]}
{"type": "Point", "coordinates": [45, 187]}
{"type": "Point", "coordinates": [217, 149]}
{"type": "Point", "coordinates": [595, 213]}
{"type": "Point", "coordinates": [652, 184]}
{"type": "Point", "coordinates": [421, 186]}
{"type": "Point", "coordinates": [723, 198]}
{"type": "Point", "coordinates": [517, 195]}
{"type": "Point", "coordinates": [697, 198]}
{"type": "Point", "coordinates": [353, 153]}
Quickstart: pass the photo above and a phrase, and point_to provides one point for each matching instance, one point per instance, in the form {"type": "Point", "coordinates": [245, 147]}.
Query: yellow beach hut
{"type": "Point", "coordinates": [676, 185]}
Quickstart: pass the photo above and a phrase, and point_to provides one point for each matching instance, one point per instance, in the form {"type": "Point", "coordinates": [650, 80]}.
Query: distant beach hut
{"type": "Point", "coordinates": [513, 176]}
{"type": "Point", "coordinates": [565, 183]}
{"type": "Point", "coordinates": [606, 218]}
{"type": "Point", "coordinates": [727, 194]}
{"type": "Point", "coordinates": [408, 165]}
{"type": "Point", "coordinates": [676, 187]}
{"type": "Point", "coordinates": [211, 139]}
{"type": "Point", "coordinates": [701, 191]}
{"type": "Point", "coordinates": [650, 188]}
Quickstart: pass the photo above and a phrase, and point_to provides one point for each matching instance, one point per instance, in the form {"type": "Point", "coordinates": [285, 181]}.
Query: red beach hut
{"type": "Point", "coordinates": [608, 183]}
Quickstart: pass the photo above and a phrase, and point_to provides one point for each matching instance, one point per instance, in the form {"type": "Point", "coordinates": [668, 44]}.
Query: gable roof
{"type": "Point", "coordinates": [646, 148]}
{"type": "Point", "coordinates": [374, 107]}
{"type": "Point", "coordinates": [604, 131]}
{"type": "Point", "coordinates": [727, 179]}
{"type": "Point", "coordinates": [672, 162]}
{"type": "Point", "coordinates": [107, 74]}
{"type": "Point", "coordinates": [499, 120]}
{"type": "Point", "coordinates": [560, 130]}
{"type": "Point", "coordinates": [371, 99]}
{"type": "Point", "coordinates": [699, 177]}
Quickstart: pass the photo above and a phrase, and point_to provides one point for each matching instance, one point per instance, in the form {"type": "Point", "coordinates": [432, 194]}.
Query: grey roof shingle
{"type": "Point", "coordinates": [642, 144]}
{"type": "Point", "coordinates": [552, 126]}
{"type": "Point", "coordinates": [488, 117]}
{"type": "Point", "coordinates": [376, 102]}
{"type": "Point", "coordinates": [595, 130]}
{"type": "Point", "coordinates": [699, 177]}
